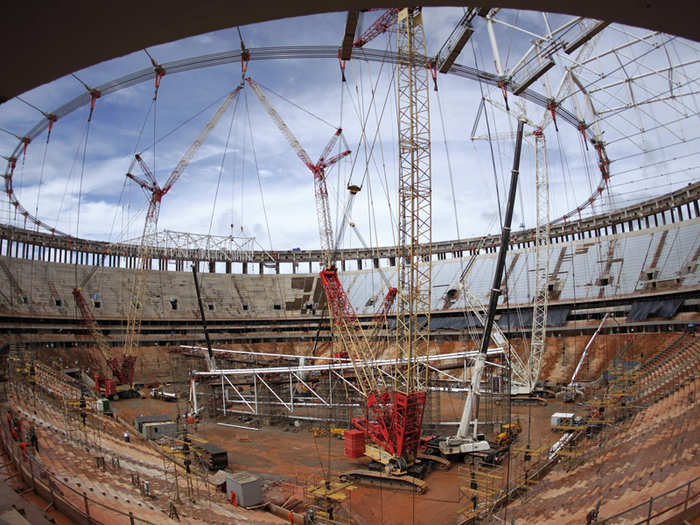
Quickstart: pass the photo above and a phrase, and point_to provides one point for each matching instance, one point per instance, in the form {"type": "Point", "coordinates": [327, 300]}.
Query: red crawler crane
{"type": "Point", "coordinates": [393, 418]}
{"type": "Point", "coordinates": [123, 372]}
{"type": "Point", "coordinates": [156, 194]}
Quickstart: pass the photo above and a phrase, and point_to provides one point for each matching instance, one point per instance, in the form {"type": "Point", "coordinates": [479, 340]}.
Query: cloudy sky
{"type": "Point", "coordinates": [247, 179]}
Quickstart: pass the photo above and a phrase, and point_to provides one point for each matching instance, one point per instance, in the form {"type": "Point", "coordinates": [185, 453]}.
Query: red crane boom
{"type": "Point", "coordinates": [381, 25]}
{"type": "Point", "coordinates": [156, 193]}
{"type": "Point", "coordinates": [345, 322]}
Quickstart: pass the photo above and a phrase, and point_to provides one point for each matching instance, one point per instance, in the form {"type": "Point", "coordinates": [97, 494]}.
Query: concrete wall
{"type": "Point", "coordinates": [653, 260]}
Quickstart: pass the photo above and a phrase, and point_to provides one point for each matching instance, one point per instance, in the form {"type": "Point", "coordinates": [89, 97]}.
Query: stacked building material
{"type": "Point", "coordinates": [354, 443]}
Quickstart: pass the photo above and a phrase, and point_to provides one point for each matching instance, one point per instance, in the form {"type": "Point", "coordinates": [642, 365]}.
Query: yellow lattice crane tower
{"type": "Point", "coordinates": [414, 248]}
{"type": "Point", "coordinates": [395, 402]}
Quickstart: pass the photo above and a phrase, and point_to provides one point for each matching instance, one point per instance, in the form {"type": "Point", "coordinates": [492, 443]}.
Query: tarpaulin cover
{"type": "Point", "coordinates": [642, 310]}
{"type": "Point", "coordinates": [523, 319]}
{"type": "Point", "coordinates": [454, 322]}
{"type": "Point", "coordinates": [451, 322]}
{"type": "Point", "coordinates": [515, 320]}
{"type": "Point", "coordinates": [557, 316]}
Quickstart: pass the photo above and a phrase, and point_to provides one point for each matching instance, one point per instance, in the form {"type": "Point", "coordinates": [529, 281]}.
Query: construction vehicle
{"type": "Point", "coordinates": [161, 393]}
{"type": "Point", "coordinates": [155, 195]}
{"type": "Point", "coordinates": [395, 402]}
{"type": "Point", "coordinates": [467, 440]}
{"type": "Point", "coordinates": [212, 456]}
{"type": "Point", "coordinates": [509, 433]}
{"type": "Point", "coordinates": [121, 382]}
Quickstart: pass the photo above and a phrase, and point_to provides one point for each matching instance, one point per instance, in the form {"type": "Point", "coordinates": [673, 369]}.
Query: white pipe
{"type": "Point", "coordinates": [237, 426]}
{"type": "Point", "coordinates": [585, 350]}
{"type": "Point", "coordinates": [343, 366]}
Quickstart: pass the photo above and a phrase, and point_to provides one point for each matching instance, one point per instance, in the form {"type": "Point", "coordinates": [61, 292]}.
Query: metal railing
{"type": "Point", "coordinates": [662, 506]}
{"type": "Point", "coordinates": [74, 504]}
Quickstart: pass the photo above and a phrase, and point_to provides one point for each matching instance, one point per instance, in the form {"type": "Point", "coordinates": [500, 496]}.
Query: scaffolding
{"type": "Point", "coordinates": [482, 487]}
{"type": "Point", "coordinates": [328, 392]}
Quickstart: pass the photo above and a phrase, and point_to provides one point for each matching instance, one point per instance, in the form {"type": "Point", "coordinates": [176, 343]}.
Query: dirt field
{"type": "Point", "coordinates": [292, 457]}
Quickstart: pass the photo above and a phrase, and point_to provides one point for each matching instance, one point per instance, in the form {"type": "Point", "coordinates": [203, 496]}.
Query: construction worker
{"type": "Point", "coordinates": [126, 436]}
{"type": "Point", "coordinates": [31, 435]}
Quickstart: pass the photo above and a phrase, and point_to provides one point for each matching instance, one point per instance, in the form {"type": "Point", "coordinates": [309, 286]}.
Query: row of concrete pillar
{"type": "Point", "coordinates": [11, 248]}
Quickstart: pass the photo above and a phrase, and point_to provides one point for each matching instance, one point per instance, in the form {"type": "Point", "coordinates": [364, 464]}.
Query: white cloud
{"type": "Point", "coordinates": [124, 122]}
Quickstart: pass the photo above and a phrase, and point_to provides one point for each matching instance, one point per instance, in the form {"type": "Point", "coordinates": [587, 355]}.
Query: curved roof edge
{"type": "Point", "coordinates": [658, 205]}
{"type": "Point", "coordinates": [44, 43]}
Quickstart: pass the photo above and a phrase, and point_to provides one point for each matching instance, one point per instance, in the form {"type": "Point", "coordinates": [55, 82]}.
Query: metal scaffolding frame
{"type": "Point", "coordinates": [328, 385]}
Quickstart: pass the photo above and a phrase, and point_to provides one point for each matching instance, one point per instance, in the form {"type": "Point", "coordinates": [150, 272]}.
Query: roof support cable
{"type": "Point", "coordinates": [488, 130]}
{"type": "Point", "coordinates": [245, 55]}
{"type": "Point", "coordinates": [221, 168]}
{"type": "Point", "coordinates": [94, 95]}
{"type": "Point", "coordinates": [51, 117]}
{"type": "Point", "coordinates": [341, 63]}
{"type": "Point", "coordinates": [158, 71]}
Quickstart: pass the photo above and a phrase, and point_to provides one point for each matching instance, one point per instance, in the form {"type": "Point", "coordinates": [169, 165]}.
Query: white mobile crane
{"type": "Point", "coordinates": [467, 440]}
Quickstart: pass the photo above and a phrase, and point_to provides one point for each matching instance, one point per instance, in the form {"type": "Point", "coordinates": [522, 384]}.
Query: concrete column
{"type": "Point", "coordinates": [359, 264]}
{"type": "Point", "coordinates": [310, 271]}
{"type": "Point", "coordinates": [261, 268]}
{"type": "Point", "coordinates": [212, 266]}
{"type": "Point", "coordinates": [245, 268]}
{"type": "Point", "coordinates": [375, 261]}
{"type": "Point", "coordinates": [228, 266]}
